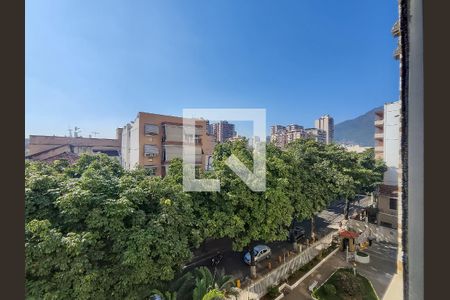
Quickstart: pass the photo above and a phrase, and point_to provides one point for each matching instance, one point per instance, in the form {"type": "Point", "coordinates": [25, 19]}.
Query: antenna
{"type": "Point", "coordinates": [70, 131]}
{"type": "Point", "coordinates": [94, 133]}
{"type": "Point", "coordinates": [76, 131]}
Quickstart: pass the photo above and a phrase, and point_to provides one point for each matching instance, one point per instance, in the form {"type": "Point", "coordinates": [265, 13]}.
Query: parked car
{"type": "Point", "coordinates": [261, 252]}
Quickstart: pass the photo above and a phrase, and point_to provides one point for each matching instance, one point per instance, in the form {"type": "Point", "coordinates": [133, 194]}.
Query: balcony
{"type": "Point", "coordinates": [396, 29]}
{"type": "Point", "coordinates": [398, 52]}
{"type": "Point", "coordinates": [380, 114]}
{"type": "Point", "coordinates": [379, 135]}
{"type": "Point", "coordinates": [379, 123]}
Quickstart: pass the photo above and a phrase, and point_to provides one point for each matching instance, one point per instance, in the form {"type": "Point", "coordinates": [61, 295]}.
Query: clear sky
{"type": "Point", "coordinates": [95, 64]}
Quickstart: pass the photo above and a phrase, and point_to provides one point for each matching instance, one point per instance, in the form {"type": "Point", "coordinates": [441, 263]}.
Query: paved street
{"type": "Point", "coordinates": [232, 261]}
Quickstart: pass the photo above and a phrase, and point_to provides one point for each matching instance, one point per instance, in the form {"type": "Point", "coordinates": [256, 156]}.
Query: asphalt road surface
{"type": "Point", "coordinates": [232, 262]}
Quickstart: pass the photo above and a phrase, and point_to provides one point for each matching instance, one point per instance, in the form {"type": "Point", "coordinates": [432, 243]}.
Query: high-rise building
{"type": "Point", "coordinates": [387, 147]}
{"type": "Point", "coordinates": [326, 123]}
{"type": "Point", "coordinates": [223, 131]}
{"type": "Point", "coordinates": [153, 140]}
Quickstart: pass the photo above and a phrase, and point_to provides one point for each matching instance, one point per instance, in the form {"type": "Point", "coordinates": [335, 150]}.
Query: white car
{"type": "Point", "coordinates": [261, 252]}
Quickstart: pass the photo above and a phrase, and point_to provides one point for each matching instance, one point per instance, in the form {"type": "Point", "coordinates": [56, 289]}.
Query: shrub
{"type": "Point", "coordinates": [363, 254]}
{"type": "Point", "coordinates": [348, 282]}
{"type": "Point", "coordinates": [320, 255]}
{"type": "Point", "coordinates": [272, 291]}
{"type": "Point", "coordinates": [330, 289]}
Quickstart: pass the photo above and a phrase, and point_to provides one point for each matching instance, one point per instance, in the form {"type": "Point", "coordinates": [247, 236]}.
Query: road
{"type": "Point", "coordinates": [232, 262]}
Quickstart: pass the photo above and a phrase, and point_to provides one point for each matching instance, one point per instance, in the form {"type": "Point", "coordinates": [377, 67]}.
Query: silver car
{"type": "Point", "coordinates": [261, 252]}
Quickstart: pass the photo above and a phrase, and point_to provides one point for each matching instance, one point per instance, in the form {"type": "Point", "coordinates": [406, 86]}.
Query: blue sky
{"type": "Point", "coordinates": [95, 64]}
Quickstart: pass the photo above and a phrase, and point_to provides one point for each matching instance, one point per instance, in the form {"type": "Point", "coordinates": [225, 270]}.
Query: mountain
{"type": "Point", "coordinates": [358, 131]}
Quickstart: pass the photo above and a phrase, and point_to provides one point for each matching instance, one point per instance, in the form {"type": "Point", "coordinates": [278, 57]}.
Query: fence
{"type": "Point", "coordinates": [285, 270]}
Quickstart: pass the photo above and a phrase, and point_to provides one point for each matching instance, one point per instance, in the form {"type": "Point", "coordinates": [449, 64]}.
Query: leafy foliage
{"type": "Point", "coordinates": [94, 230]}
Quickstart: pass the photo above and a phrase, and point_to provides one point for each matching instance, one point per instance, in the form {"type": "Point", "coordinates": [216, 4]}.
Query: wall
{"type": "Point", "coordinates": [125, 147]}
{"type": "Point", "coordinates": [392, 142]}
{"type": "Point", "coordinates": [134, 148]}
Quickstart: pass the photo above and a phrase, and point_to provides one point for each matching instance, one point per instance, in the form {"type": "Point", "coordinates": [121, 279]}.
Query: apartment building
{"type": "Point", "coordinates": [283, 135]}
{"type": "Point", "coordinates": [356, 148]}
{"type": "Point", "coordinates": [51, 148]}
{"type": "Point", "coordinates": [223, 131]}
{"type": "Point", "coordinates": [317, 134]}
{"type": "Point", "coordinates": [154, 140]}
{"type": "Point", "coordinates": [326, 123]}
{"type": "Point", "coordinates": [387, 147]}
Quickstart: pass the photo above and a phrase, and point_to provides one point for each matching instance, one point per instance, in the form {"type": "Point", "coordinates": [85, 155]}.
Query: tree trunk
{"type": "Point", "coordinates": [347, 208]}
{"type": "Point", "coordinates": [313, 235]}
{"type": "Point", "coordinates": [252, 262]}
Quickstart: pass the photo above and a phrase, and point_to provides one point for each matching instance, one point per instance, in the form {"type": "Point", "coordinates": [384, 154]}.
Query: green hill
{"type": "Point", "coordinates": [358, 131]}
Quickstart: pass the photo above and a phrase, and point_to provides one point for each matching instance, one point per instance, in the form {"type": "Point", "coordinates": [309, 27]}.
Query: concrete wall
{"type": "Point", "coordinates": [392, 142]}
{"type": "Point", "coordinates": [125, 147]}
{"type": "Point", "coordinates": [385, 214]}
{"type": "Point", "coordinates": [134, 148]}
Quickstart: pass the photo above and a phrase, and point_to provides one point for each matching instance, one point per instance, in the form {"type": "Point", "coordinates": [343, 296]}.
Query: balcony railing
{"type": "Point", "coordinates": [379, 122]}
{"type": "Point", "coordinates": [396, 29]}
{"type": "Point", "coordinates": [398, 52]}
{"type": "Point", "coordinates": [379, 135]}
{"type": "Point", "coordinates": [379, 148]}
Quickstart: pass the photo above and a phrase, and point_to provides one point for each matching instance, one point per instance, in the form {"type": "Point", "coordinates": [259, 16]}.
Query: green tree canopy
{"type": "Point", "coordinates": [94, 230]}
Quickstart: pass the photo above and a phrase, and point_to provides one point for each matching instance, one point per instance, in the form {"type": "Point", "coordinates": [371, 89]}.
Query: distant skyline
{"type": "Point", "coordinates": [96, 64]}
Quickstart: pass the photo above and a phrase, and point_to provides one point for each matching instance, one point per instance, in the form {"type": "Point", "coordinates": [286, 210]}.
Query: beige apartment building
{"type": "Point", "coordinates": [326, 123]}
{"type": "Point", "coordinates": [153, 140]}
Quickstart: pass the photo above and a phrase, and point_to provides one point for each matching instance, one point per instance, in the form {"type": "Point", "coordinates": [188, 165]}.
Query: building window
{"type": "Point", "coordinates": [393, 203]}
{"type": "Point", "coordinates": [151, 150]}
{"type": "Point", "coordinates": [150, 129]}
{"type": "Point", "coordinates": [151, 170]}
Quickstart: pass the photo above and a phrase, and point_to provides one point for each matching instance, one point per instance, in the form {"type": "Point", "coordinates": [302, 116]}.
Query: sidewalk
{"type": "Point", "coordinates": [395, 289]}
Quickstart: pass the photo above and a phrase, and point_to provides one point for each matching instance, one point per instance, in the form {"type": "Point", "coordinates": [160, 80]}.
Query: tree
{"type": "Point", "coordinates": [201, 284]}
{"type": "Point", "coordinates": [241, 214]}
{"type": "Point", "coordinates": [315, 180]}
{"type": "Point", "coordinates": [94, 230]}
